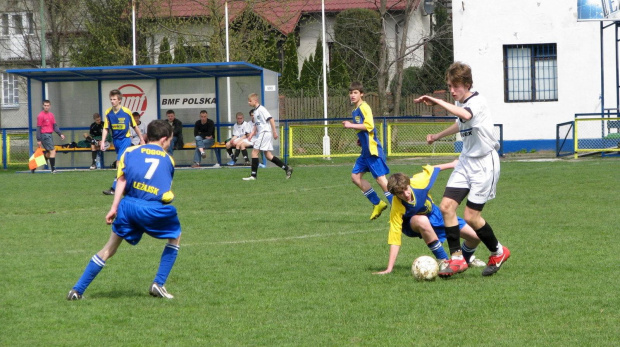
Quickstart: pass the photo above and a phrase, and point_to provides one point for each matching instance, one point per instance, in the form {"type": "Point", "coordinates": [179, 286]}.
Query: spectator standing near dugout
{"type": "Point", "coordinates": [204, 129]}
{"type": "Point", "coordinates": [477, 172]}
{"type": "Point", "coordinates": [144, 178]}
{"type": "Point", "coordinates": [46, 125]}
{"type": "Point", "coordinates": [118, 120]}
{"type": "Point", "coordinates": [94, 136]}
{"type": "Point", "coordinates": [372, 158]}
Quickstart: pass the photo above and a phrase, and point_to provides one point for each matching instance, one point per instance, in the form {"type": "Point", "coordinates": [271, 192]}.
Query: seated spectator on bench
{"type": "Point", "coordinates": [94, 136]}
{"type": "Point", "coordinates": [241, 130]}
{"type": "Point", "coordinates": [177, 132]}
{"type": "Point", "coordinates": [135, 139]}
{"type": "Point", "coordinates": [247, 143]}
{"type": "Point", "coordinates": [203, 133]}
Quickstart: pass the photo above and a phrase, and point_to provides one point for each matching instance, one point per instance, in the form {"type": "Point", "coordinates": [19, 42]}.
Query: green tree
{"type": "Point", "coordinates": [164, 52]}
{"type": "Point", "coordinates": [180, 53]}
{"type": "Point", "coordinates": [357, 36]}
{"type": "Point", "coordinates": [338, 78]}
{"type": "Point", "coordinates": [307, 77]}
{"type": "Point", "coordinates": [290, 73]}
{"type": "Point", "coordinates": [108, 37]}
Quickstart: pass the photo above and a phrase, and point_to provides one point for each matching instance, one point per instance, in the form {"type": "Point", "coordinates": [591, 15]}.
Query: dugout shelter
{"type": "Point", "coordinates": [76, 93]}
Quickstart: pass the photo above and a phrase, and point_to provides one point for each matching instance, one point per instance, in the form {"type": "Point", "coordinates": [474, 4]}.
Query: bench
{"type": "Point", "coordinates": [217, 147]}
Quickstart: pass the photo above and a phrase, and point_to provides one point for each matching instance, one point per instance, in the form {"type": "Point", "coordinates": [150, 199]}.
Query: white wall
{"type": "Point", "coordinates": [482, 27]}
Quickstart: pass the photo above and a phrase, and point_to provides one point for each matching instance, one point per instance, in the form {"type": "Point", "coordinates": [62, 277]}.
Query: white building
{"type": "Point", "coordinates": [535, 63]}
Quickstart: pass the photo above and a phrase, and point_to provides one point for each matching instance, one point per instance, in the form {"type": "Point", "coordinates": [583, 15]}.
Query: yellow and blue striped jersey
{"type": "Point", "coordinates": [422, 203]}
{"type": "Point", "coordinates": [119, 122]}
{"type": "Point", "coordinates": [148, 170]}
{"type": "Point", "coordinates": [368, 138]}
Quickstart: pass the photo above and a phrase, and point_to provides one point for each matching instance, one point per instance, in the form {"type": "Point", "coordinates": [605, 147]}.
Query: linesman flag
{"type": "Point", "coordinates": [37, 159]}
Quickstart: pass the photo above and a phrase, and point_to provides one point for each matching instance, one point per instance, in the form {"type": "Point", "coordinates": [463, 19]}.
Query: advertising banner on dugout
{"type": "Point", "coordinates": [598, 10]}
{"type": "Point", "coordinates": [138, 96]}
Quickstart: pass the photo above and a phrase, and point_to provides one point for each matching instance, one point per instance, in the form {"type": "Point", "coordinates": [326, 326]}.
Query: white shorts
{"type": "Point", "coordinates": [263, 142]}
{"type": "Point", "coordinates": [246, 142]}
{"type": "Point", "coordinates": [479, 175]}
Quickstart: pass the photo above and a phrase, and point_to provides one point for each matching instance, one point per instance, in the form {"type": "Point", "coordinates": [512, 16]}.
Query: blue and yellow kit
{"type": "Point", "coordinates": [368, 138]}
{"type": "Point", "coordinates": [148, 170]}
{"type": "Point", "coordinates": [119, 122]}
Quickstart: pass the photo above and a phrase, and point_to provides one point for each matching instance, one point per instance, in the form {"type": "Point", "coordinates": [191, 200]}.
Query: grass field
{"type": "Point", "coordinates": [289, 263]}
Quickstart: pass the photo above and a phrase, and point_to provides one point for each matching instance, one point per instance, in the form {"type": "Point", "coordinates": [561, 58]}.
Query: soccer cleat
{"type": "Point", "coordinates": [443, 263]}
{"type": "Point", "coordinates": [108, 192]}
{"type": "Point", "coordinates": [455, 266]}
{"type": "Point", "coordinates": [92, 167]}
{"type": "Point", "coordinates": [378, 209]}
{"type": "Point", "coordinates": [495, 262]}
{"type": "Point", "coordinates": [54, 171]}
{"type": "Point", "coordinates": [231, 163]}
{"type": "Point", "coordinates": [203, 154]}
{"type": "Point", "coordinates": [289, 172]}
{"type": "Point", "coordinates": [74, 295]}
{"type": "Point", "coordinates": [195, 165]}
{"type": "Point", "coordinates": [250, 178]}
{"type": "Point", "coordinates": [261, 165]}
{"type": "Point", "coordinates": [475, 262]}
{"type": "Point", "coordinates": [159, 291]}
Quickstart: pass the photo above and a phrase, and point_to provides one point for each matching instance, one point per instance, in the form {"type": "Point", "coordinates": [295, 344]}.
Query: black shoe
{"type": "Point", "coordinates": [73, 295]}
{"type": "Point", "coordinates": [108, 192]}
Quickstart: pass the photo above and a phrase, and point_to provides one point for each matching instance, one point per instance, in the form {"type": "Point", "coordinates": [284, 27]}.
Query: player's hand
{"type": "Point", "coordinates": [109, 218]}
{"type": "Point", "coordinates": [427, 100]}
{"type": "Point", "coordinates": [430, 138]}
{"type": "Point", "coordinates": [39, 144]}
{"type": "Point", "coordinates": [62, 136]}
{"type": "Point", "coordinates": [346, 124]}
{"type": "Point", "coordinates": [384, 272]}
{"type": "Point", "coordinates": [275, 136]}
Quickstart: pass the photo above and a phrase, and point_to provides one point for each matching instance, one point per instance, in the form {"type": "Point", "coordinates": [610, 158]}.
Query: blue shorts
{"type": "Point", "coordinates": [436, 220]}
{"type": "Point", "coordinates": [120, 146]}
{"type": "Point", "coordinates": [373, 164]}
{"type": "Point", "coordinates": [136, 217]}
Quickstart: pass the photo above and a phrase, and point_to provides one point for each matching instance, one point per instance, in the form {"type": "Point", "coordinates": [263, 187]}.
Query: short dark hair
{"type": "Point", "coordinates": [204, 111]}
{"type": "Point", "coordinates": [96, 115]}
{"type": "Point", "coordinates": [169, 112]}
{"type": "Point", "coordinates": [46, 101]}
{"type": "Point", "coordinates": [157, 129]}
{"type": "Point", "coordinates": [136, 114]}
{"type": "Point", "coordinates": [356, 86]}
{"type": "Point", "coordinates": [117, 93]}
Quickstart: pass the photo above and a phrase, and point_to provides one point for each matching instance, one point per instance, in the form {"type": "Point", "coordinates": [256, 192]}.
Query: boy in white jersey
{"type": "Point", "coordinates": [265, 130]}
{"type": "Point", "coordinates": [476, 174]}
{"type": "Point", "coordinates": [241, 130]}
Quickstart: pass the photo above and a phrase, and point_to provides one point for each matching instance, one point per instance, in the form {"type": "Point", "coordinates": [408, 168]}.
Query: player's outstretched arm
{"type": "Point", "coordinates": [451, 130]}
{"type": "Point", "coordinates": [394, 249]}
{"type": "Point", "coordinates": [447, 166]}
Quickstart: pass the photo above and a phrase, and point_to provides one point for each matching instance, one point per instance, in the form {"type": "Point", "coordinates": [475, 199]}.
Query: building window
{"type": "Point", "coordinates": [530, 73]}
{"type": "Point", "coordinates": [4, 24]}
{"type": "Point", "coordinates": [10, 90]}
{"type": "Point", "coordinates": [17, 24]}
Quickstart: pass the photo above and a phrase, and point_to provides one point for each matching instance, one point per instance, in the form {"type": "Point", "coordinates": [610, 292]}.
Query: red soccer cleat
{"type": "Point", "coordinates": [495, 262]}
{"type": "Point", "coordinates": [455, 266]}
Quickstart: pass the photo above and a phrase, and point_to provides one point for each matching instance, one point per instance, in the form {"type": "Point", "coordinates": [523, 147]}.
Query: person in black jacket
{"type": "Point", "coordinates": [177, 132]}
{"type": "Point", "coordinates": [204, 130]}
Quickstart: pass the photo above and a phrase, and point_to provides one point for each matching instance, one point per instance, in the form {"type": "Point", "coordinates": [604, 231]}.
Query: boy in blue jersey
{"type": "Point", "coordinates": [414, 214]}
{"type": "Point", "coordinates": [145, 177]}
{"type": "Point", "coordinates": [372, 158]}
{"type": "Point", "coordinates": [119, 120]}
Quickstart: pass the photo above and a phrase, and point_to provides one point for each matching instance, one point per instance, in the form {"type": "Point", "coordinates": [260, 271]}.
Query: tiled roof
{"type": "Point", "coordinates": [282, 14]}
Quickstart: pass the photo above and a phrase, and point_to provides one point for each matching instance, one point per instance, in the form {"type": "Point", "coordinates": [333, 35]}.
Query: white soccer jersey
{"type": "Point", "coordinates": [249, 126]}
{"type": "Point", "coordinates": [240, 129]}
{"type": "Point", "coordinates": [261, 119]}
{"type": "Point", "coordinates": [477, 132]}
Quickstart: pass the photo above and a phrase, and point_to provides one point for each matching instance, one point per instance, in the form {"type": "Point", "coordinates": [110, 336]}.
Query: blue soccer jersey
{"type": "Point", "coordinates": [119, 123]}
{"type": "Point", "coordinates": [367, 138]}
{"type": "Point", "coordinates": [148, 170]}
{"type": "Point", "coordinates": [422, 203]}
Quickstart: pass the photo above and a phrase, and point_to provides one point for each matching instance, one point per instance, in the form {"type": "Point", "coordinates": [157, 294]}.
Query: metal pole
{"type": "Point", "coordinates": [133, 29]}
{"type": "Point", "coordinates": [326, 140]}
{"type": "Point", "coordinates": [42, 19]}
{"type": "Point", "coordinates": [227, 60]}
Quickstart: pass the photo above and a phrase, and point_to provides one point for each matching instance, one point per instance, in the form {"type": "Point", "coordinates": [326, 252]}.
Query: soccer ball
{"type": "Point", "coordinates": [424, 268]}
